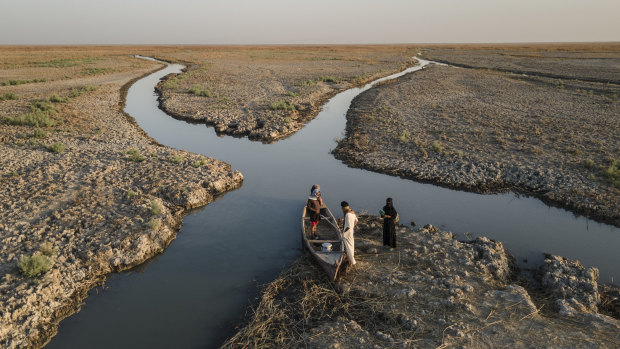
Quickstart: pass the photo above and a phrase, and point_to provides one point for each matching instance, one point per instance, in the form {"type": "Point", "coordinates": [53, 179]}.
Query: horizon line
{"type": "Point", "coordinates": [323, 44]}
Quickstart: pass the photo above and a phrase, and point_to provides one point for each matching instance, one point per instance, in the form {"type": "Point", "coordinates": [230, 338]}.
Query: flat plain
{"type": "Point", "coordinates": [85, 192]}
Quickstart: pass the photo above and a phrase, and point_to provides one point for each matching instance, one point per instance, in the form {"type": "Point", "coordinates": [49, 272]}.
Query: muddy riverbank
{"type": "Point", "coordinates": [489, 131]}
{"type": "Point", "coordinates": [432, 291]}
{"type": "Point", "coordinates": [269, 93]}
{"type": "Point", "coordinates": [83, 188]}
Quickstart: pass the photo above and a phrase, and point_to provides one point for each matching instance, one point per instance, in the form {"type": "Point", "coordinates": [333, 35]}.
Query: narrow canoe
{"type": "Point", "coordinates": [328, 232]}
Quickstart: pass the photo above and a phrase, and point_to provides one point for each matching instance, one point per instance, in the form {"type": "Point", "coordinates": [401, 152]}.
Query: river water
{"type": "Point", "coordinates": [192, 295]}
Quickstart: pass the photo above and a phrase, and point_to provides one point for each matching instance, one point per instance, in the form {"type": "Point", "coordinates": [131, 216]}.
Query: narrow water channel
{"type": "Point", "coordinates": [191, 296]}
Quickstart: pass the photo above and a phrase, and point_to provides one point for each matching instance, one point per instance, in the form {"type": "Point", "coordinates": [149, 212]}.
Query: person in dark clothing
{"type": "Point", "coordinates": [314, 210]}
{"type": "Point", "coordinates": [318, 193]}
{"type": "Point", "coordinates": [389, 224]}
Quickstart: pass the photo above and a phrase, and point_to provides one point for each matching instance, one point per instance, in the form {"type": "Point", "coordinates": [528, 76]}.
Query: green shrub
{"type": "Point", "coordinates": [44, 106]}
{"type": "Point", "coordinates": [58, 99]}
{"type": "Point", "coordinates": [76, 92]}
{"type": "Point", "coordinates": [292, 93]}
{"type": "Point", "coordinates": [19, 82]}
{"type": "Point", "coordinates": [155, 208]}
{"type": "Point", "coordinates": [282, 105]}
{"type": "Point", "coordinates": [589, 163]}
{"type": "Point", "coordinates": [35, 144]}
{"type": "Point", "coordinates": [56, 147]}
{"type": "Point", "coordinates": [176, 159]}
{"type": "Point", "coordinates": [39, 133]}
{"type": "Point", "coordinates": [328, 79]}
{"type": "Point", "coordinates": [199, 163]}
{"type": "Point", "coordinates": [34, 265]}
{"type": "Point", "coordinates": [437, 147]}
{"type": "Point", "coordinates": [47, 249]}
{"type": "Point", "coordinates": [36, 118]}
{"type": "Point", "coordinates": [57, 63]}
{"type": "Point", "coordinates": [404, 136]}
{"type": "Point", "coordinates": [8, 96]}
{"type": "Point", "coordinates": [13, 82]}
{"type": "Point", "coordinates": [95, 71]}
{"type": "Point", "coordinates": [357, 79]}
{"type": "Point", "coordinates": [199, 91]}
{"type": "Point", "coordinates": [131, 193]}
{"type": "Point", "coordinates": [154, 223]}
{"type": "Point", "coordinates": [65, 62]}
{"type": "Point", "coordinates": [613, 173]}
{"type": "Point", "coordinates": [135, 156]}
{"type": "Point", "coordinates": [171, 84]}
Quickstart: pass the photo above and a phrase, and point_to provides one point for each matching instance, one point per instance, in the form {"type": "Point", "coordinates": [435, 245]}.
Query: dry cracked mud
{"type": "Point", "coordinates": [269, 93]}
{"type": "Point", "coordinates": [82, 183]}
{"type": "Point", "coordinates": [433, 291]}
{"type": "Point", "coordinates": [487, 130]}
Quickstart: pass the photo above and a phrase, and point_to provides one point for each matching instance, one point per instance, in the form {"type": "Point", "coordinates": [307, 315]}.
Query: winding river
{"type": "Point", "coordinates": [192, 295]}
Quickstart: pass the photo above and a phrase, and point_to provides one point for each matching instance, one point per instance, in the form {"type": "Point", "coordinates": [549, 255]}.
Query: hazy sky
{"type": "Point", "coordinates": [301, 22]}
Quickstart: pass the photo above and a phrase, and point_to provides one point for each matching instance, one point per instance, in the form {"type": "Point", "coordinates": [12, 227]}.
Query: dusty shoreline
{"type": "Point", "coordinates": [431, 291]}
{"type": "Point", "coordinates": [108, 199]}
{"type": "Point", "coordinates": [486, 131]}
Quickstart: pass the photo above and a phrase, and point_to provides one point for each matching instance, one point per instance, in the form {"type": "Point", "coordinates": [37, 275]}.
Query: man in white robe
{"type": "Point", "coordinates": [350, 221]}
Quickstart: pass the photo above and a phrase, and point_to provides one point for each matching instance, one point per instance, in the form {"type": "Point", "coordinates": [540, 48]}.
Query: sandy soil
{"type": "Point", "coordinates": [431, 292]}
{"type": "Point", "coordinates": [268, 93]}
{"type": "Point", "coordinates": [485, 130]}
{"type": "Point", "coordinates": [89, 188]}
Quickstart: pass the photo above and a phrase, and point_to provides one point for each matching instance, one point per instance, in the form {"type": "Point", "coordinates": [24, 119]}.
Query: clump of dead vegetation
{"type": "Point", "coordinates": [300, 300]}
{"type": "Point", "coordinates": [280, 319]}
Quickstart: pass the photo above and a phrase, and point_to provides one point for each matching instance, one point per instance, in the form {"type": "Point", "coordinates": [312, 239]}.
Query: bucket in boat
{"type": "Point", "coordinates": [327, 247]}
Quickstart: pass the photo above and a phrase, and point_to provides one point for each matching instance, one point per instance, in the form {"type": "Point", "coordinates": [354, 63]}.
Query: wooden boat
{"type": "Point", "coordinates": [328, 232]}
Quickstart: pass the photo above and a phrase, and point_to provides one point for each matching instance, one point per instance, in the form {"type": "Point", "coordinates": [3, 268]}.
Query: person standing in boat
{"type": "Point", "coordinates": [314, 210]}
{"type": "Point", "coordinates": [389, 215]}
{"type": "Point", "coordinates": [318, 195]}
{"type": "Point", "coordinates": [350, 221]}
